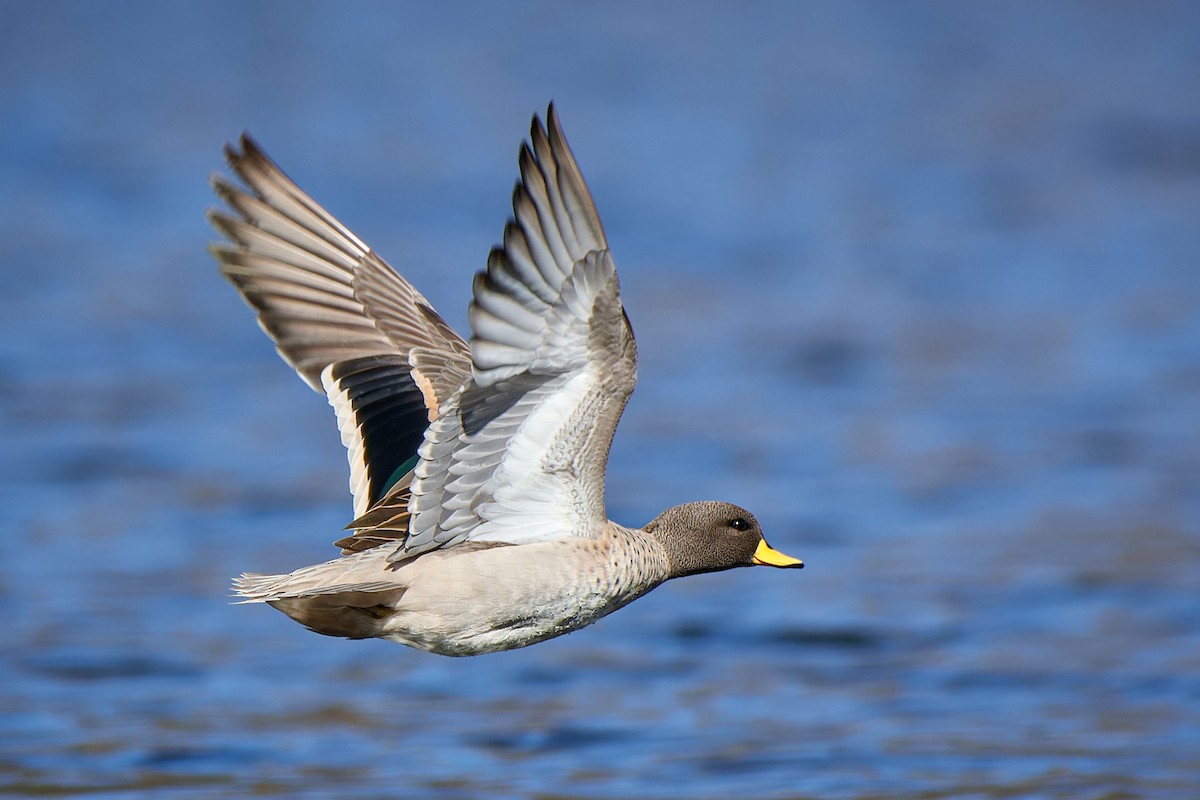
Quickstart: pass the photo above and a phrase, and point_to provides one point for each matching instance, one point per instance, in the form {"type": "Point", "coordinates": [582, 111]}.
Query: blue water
{"type": "Point", "coordinates": [918, 283]}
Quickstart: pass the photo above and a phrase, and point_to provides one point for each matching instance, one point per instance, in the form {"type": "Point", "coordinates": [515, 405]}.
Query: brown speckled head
{"type": "Point", "coordinates": [711, 536]}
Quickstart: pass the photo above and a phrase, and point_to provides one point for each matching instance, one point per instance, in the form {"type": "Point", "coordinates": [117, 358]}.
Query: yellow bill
{"type": "Point", "coordinates": [767, 556]}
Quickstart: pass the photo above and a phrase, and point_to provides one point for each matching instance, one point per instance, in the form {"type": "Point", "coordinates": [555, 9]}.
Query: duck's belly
{"type": "Point", "coordinates": [503, 598]}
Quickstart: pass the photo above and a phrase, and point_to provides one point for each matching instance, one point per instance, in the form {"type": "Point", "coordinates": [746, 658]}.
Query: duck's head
{"type": "Point", "coordinates": [712, 536]}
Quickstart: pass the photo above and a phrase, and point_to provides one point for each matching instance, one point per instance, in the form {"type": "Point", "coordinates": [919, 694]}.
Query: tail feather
{"type": "Point", "coordinates": [350, 596]}
{"type": "Point", "coordinates": [368, 571]}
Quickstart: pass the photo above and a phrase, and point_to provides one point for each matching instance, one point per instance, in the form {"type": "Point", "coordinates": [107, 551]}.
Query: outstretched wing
{"type": "Point", "coordinates": [519, 454]}
{"type": "Point", "coordinates": [345, 320]}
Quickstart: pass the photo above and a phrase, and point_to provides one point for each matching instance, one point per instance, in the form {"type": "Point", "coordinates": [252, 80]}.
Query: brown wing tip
{"type": "Point", "coordinates": [221, 186]}
{"type": "Point", "coordinates": [538, 138]}
{"type": "Point", "coordinates": [225, 225]}
{"type": "Point", "coordinates": [250, 149]}
{"type": "Point", "coordinates": [554, 129]}
{"type": "Point", "coordinates": [251, 158]}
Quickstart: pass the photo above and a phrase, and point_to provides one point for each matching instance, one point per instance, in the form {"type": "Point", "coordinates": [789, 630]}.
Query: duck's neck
{"type": "Point", "coordinates": [635, 562]}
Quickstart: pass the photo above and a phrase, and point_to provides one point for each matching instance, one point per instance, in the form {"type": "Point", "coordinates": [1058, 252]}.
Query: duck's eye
{"type": "Point", "coordinates": [739, 524]}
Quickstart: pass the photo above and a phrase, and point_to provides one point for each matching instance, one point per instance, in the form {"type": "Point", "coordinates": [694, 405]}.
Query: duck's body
{"type": "Point", "coordinates": [477, 470]}
{"type": "Point", "coordinates": [469, 600]}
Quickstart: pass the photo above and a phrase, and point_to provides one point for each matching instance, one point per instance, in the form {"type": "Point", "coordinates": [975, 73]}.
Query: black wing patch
{"type": "Point", "coordinates": [389, 414]}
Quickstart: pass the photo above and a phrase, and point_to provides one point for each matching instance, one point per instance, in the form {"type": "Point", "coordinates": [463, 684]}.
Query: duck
{"type": "Point", "coordinates": [477, 465]}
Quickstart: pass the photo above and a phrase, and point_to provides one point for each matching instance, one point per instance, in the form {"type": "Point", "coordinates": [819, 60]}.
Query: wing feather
{"type": "Point", "coordinates": [345, 320]}
{"type": "Point", "coordinates": [510, 435]}
{"type": "Point", "coordinates": [519, 454]}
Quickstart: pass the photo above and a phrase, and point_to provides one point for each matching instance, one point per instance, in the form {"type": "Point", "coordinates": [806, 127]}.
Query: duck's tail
{"type": "Point", "coordinates": [350, 596]}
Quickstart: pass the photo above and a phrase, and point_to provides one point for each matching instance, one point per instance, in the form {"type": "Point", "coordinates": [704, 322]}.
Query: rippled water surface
{"type": "Point", "coordinates": [917, 283]}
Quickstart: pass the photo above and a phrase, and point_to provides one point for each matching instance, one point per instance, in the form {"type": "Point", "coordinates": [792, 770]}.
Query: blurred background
{"type": "Point", "coordinates": [917, 283]}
